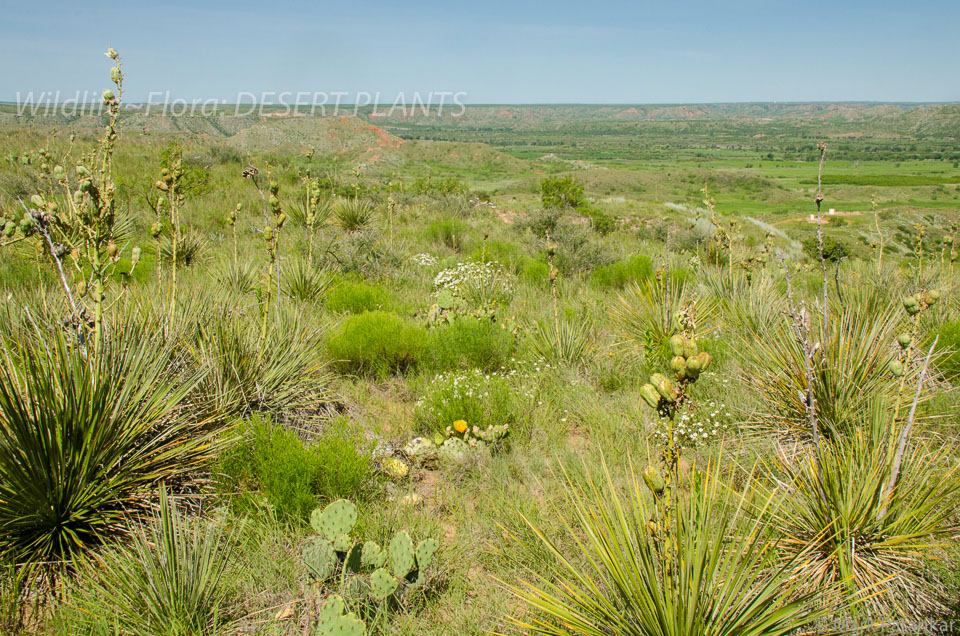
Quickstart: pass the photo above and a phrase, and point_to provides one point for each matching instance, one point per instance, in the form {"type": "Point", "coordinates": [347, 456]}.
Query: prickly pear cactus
{"type": "Point", "coordinates": [402, 557]}
{"type": "Point", "coordinates": [333, 622]}
{"type": "Point", "coordinates": [373, 555]}
{"type": "Point", "coordinates": [320, 558]}
{"type": "Point", "coordinates": [445, 299]}
{"type": "Point", "coordinates": [383, 584]}
{"type": "Point", "coordinates": [426, 549]}
{"type": "Point", "coordinates": [394, 468]}
{"type": "Point", "coordinates": [336, 520]}
{"type": "Point", "coordinates": [454, 450]}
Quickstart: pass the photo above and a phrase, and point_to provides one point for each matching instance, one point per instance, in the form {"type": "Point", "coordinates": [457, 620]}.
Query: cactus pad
{"type": "Point", "coordinates": [382, 584]}
{"type": "Point", "coordinates": [373, 555]}
{"type": "Point", "coordinates": [319, 557]}
{"type": "Point", "coordinates": [330, 613]}
{"type": "Point", "coordinates": [401, 554]}
{"type": "Point", "coordinates": [342, 543]}
{"type": "Point", "coordinates": [425, 551]}
{"type": "Point", "coordinates": [335, 520]}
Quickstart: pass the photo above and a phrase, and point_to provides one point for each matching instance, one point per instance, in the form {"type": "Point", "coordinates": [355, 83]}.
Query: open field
{"type": "Point", "coordinates": [575, 369]}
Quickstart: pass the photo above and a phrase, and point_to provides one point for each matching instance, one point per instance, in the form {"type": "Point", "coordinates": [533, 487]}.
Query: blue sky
{"type": "Point", "coordinates": [494, 51]}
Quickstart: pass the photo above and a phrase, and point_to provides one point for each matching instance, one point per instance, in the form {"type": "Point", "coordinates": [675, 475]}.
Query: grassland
{"type": "Point", "coordinates": [318, 331]}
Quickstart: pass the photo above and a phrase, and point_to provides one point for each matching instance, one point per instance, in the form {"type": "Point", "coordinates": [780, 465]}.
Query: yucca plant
{"type": "Point", "coordinates": [167, 582]}
{"type": "Point", "coordinates": [279, 370]}
{"type": "Point", "coordinates": [240, 277]}
{"type": "Point", "coordinates": [191, 248]}
{"type": "Point", "coordinates": [85, 435]}
{"type": "Point", "coordinates": [645, 313]}
{"type": "Point", "coordinates": [750, 304]}
{"type": "Point", "coordinates": [840, 512]}
{"type": "Point", "coordinates": [353, 215]}
{"type": "Point", "coordinates": [563, 340]}
{"type": "Point", "coordinates": [305, 282]}
{"type": "Point", "coordinates": [852, 369]}
{"type": "Point", "coordinates": [699, 566]}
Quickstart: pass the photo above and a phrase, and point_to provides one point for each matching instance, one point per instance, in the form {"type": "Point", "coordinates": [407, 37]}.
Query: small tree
{"type": "Point", "coordinates": [561, 192]}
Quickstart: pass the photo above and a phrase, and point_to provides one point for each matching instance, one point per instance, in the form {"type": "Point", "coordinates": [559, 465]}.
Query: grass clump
{"type": "Point", "coordinates": [451, 233]}
{"type": "Point", "coordinates": [376, 343]}
{"type": "Point", "coordinates": [169, 581]}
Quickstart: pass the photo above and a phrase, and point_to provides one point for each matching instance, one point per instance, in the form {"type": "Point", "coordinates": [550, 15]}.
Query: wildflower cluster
{"type": "Point", "coordinates": [697, 426]}
{"type": "Point", "coordinates": [481, 205]}
{"type": "Point", "coordinates": [482, 399]}
{"type": "Point", "coordinates": [476, 283]}
{"type": "Point", "coordinates": [424, 260]}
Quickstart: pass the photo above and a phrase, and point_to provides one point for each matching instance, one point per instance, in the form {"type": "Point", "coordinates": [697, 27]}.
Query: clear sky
{"type": "Point", "coordinates": [495, 51]}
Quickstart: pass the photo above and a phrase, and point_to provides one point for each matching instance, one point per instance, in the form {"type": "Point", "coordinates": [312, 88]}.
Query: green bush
{"type": "Point", "coordinates": [561, 192]}
{"type": "Point", "coordinates": [534, 271]}
{"type": "Point", "coordinates": [470, 343]}
{"type": "Point", "coordinates": [294, 476]}
{"type": "Point", "coordinates": [354, 298]}
{"type": "Point", "coordinates": [510, 254]}
{"type": "Point", "coordinates": [377, 343]}
{"type": "Point", "coordinates": [617, 275]}
{"type": "Point", "coordinates": [448, 232]}
{"type": "Point", "coordinates": [601, 222]}
{"type": "Point", "coordinates": [833, 249]}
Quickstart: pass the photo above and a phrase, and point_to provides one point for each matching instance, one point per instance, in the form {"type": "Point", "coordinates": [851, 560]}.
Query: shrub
{"type": "Point", "coordinates": [833, 249]}
{"type": "Point", "coordinates": [601, 222]}
{"type": "Point", "coordinates": [292, 475]}
{"type": "Point", "coordinates": [510, 254]}
{"type": "Point", "coordinates": [479, 398]}
{"type": "Point", "coordinates": [168, 582]}
{"type": "Point", "coordinates": [616, 275]}
{"type": "Point", "coordinates": [357, 297]}
{"type": "Point", "coordinates": [449, 232]}
{"type": "Point", "coordinates": [561, 192]}
{"type": "Point", "coordinates": [470, 343]}
{"type": "Point", "coordinates": [85, 436]}
{"type": "Point", "coordinates": [376, 343]}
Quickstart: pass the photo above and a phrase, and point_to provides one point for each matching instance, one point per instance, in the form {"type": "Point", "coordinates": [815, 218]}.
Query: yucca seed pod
{"type": "Point", "coordinates": [115, 75]}
{"type": "Point", "coordinates": [135, 255]}
{"type": "Point", "coordinates": [81, 288]}
{"type": "Point", "coordinates": [689, 347]}
{"type": "Point", "coordinates": [678, 364]}
{"type": "Point", "coordinates": [162, 186]}
{"type": "Point", "coordinates": [112, 249]}
{"type": "Point", "coordinates": [108, 96]}
{"type": "Point", "coordinates": [656, 378]}
{"type": "Point", "coordinates": [676, 345]}
{"type": "Point", "coordinates": [653, 479]}
{"type": "Point", "coordinates": [896, 368]}
{"type": "Point", "coordinates": [694, 366]}
{"type": "Point", "coordinates": [112, 53]}
{"type": "Point", "coordinates": [652, 528]}
{"type": "Point", "coordinates": [268, 234]}
{"type": "Point", "coordinates": [666, 390]}
{"type": "Point", "coordinates": [705, 360]}
{"type": "Point", "coordinates": [904, 340]}
{"type": "Point", "coordinates": [932, 296]}
{"type": "Point", "coordinates": [155, 230]}
{"type": "Point", "coordinates": [650, 395]}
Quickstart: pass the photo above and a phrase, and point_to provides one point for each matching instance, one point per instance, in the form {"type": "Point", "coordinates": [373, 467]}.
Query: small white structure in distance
{"type": "Point", "coordinates": [832, 211]}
